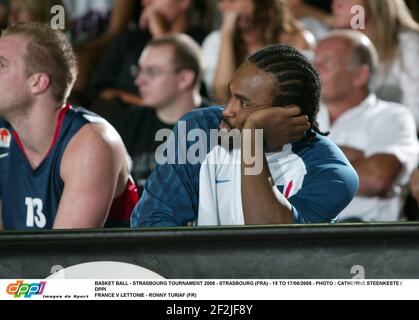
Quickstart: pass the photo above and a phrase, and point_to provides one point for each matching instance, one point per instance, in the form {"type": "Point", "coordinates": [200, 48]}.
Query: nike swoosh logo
{"type": "Point", "coordinates": [4, 155]}
{"type": "Point", "coordinates": [221, 181]}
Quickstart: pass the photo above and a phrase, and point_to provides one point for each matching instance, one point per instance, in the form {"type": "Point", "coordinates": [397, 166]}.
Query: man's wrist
{"type": "Point", "coordinates": [250, 124]}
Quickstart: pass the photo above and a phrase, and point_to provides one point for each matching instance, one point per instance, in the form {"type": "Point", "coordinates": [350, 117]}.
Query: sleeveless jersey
{"type": "Point", "coordinates": [30, 196]}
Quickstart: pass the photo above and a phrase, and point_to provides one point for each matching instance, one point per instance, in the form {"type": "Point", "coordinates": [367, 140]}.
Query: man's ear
{"type": "Point", "coordinates": [186, 79]}
{"type": "Point", "coordinates": [362, 76]}
{"type": "Point", "coordinates": [39, 83]}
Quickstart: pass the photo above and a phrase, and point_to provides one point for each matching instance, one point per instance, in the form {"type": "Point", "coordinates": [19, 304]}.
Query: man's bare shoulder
{"type": "Point", "coordinates": [92, 145]}
{"type": "Point", "coordinates": [97, 136]}
{"type": "Point", "coordinates": [94, 171]}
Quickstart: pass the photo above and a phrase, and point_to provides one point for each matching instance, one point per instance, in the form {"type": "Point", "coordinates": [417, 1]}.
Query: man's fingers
{"type": "Point", "coordinates": [300, 120]}
{"type": "Point", "coordinates": [300, 129]}
{"type": "Point", "coordinates": [287, 112]}
{"type": "Point", "coordinates": [291, 111]}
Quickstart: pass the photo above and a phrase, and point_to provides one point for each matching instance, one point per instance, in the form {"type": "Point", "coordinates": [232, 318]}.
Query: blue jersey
{"type": "Point", "coordinates": [30, 196]}
{"type": "Point", "coordinates": [315, 178]}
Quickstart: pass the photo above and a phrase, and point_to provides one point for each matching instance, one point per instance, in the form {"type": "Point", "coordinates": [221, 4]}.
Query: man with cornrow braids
{"type": "Point", "coordinates": [300, 177]}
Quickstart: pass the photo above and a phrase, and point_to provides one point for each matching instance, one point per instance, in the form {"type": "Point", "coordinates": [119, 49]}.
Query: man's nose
{"type": "Point", "coordinates": [139, 80]}
{"type": "Point", "coordinates": [230, 110]}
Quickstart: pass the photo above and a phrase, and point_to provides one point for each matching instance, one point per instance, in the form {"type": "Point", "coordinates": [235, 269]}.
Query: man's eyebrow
{"type": "Point", "coordinates": [229, 89]}
{"type": "Point", "coordinates": [242, 97]}
{"type": "Point", "coordinates": [237, 95]}
{"type": "Point", "coordinates": [150, 66]}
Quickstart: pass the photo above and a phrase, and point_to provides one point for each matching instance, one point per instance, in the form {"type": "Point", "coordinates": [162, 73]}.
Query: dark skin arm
{"type": "Point", "coordinates": [281, 126]}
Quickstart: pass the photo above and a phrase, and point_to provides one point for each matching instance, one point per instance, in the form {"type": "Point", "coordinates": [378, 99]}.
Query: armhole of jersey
{"type": "Point", "coordinates": [122, 206]}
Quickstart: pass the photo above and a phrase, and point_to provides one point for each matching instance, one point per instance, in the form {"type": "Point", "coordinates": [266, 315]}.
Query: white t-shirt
{"type": "Point", "coordinates": [89, 18]}
{"type": "Point", "coordinates": [376, 127]}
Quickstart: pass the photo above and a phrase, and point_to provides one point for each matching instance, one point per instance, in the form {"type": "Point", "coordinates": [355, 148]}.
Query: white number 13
{"type": "Point", "coordinates": [34, 214]}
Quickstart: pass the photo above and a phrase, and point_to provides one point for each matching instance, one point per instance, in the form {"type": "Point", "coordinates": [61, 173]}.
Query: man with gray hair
{"type": "Point", "coordinates": [378, 137]}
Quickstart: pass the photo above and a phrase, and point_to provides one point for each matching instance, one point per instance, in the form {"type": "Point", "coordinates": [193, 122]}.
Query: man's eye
{"type": "Point", "coordinates": [244, 103]}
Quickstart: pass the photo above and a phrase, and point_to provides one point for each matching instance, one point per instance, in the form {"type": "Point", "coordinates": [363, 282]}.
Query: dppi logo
{"type": "Point", "coordinates": [27, 290]}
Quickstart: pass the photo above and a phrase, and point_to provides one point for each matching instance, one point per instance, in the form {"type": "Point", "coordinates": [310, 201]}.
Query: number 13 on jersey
{"type": "Point", "coordinates": [34, 214]}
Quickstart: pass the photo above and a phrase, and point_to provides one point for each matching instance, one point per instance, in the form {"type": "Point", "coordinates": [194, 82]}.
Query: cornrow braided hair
{"type": "Point", "coordinates": [298, 81]}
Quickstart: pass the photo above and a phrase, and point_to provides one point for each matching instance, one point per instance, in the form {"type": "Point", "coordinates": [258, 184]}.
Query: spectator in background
{"type": "Point", "coordinates": [32, 10]}
{"type": "Point", "coordinates": [395, 34]}
{"type": "Point", "coordinates": [247, 26]}
{"type": "Point", "coordinates": [4, 13]}
{"type": "Point", "coordinates": [303, 177]}
{"type": "Point", "coordinates": [169, 78]}
{"type": "Point", "coordinates": [114, 78]}
{"type": "Point", "coordinates": [378, 137]}
{"type": "Point", "coordinates": [161, 17]}
{"type": "Point", "coordinates": [414, 185]}
{"type": "Point", "coordinates": [314, 15]}
{"type": "Point", "coordinates": [94, 24]}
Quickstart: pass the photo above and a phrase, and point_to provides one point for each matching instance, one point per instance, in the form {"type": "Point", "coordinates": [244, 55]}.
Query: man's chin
{"type": "Point", "coordinates": [224, 126]}
{"type": "Point", "coordinates": [150, 102]}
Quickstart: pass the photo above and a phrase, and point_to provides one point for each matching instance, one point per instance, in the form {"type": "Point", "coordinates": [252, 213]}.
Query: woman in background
{"type": "Point", "coordinates": [314, 15]}
{"type": "Point", "coordinates": [94, 24]}
{"type": "Point", "coordinates": [395, 34]}
{"type": "Point", "coordinates": [32, 10]}
{"type": "Point", "coordinates": [247, 26]}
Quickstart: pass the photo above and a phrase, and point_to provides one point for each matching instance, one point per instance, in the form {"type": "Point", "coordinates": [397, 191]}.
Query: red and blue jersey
{"type": "Point", "coordinates": [31, 197]}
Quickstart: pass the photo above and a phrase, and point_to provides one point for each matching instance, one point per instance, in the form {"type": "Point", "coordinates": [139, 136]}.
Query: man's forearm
{"type": "Point", "coordinates": [376, 175]}
{"type": "Point", "coordinates": [260, 205]}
